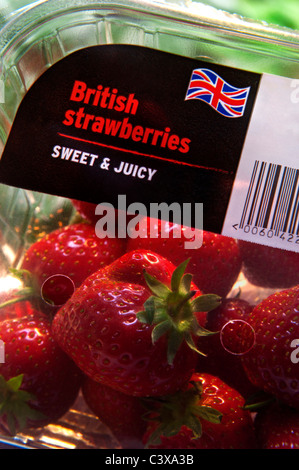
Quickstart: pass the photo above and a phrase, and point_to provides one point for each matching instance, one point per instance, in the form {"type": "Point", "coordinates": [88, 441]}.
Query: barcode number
{"type": "Point", "coordinates": [271, 207]}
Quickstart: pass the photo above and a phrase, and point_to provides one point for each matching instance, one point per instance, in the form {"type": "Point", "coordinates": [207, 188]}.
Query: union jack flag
{"type": "Point", "coordinates": [208, 86]}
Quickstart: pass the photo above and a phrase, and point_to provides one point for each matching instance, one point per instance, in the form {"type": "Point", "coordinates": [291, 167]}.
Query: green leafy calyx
{"type": "Point", "coordinates": [15, 404]}
{"type": "Point", "coordinates": [169, 414]}
{"type": "Point", "coordinates": [171, 310]}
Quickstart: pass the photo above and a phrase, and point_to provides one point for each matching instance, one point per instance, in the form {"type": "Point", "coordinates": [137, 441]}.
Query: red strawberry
{"type": "Point", "coordinates": [112, 221]}
{"type": "Point", "coordinates": [277, 427]}
{"type": "Point", "coordinates": [270, 267]}
{"type": "Point", "coordinates": [134, 331]}
{"type": "Point", "coordinates": [268, 364]}
{"type": "Point", "coordinates": [215, 265]}
{"type": "Point", "coordinates": [86, 210]}
{"type": "Point", "coordinates": [70, 254]}
{"type": "Point", "coordinates": [224, 350]}
{"type": "Point", "coordinates": [38, 381]}
{"type": "Point", "coordinates": [207, 415]}
{"type": "Point", "coordinates": [122, 413]}
{"type": "Point", "coordinates": [16, 309]}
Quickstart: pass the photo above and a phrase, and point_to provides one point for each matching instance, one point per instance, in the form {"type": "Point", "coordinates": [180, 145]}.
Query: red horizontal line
{"type": "Point", "coordinates": [143, 154]}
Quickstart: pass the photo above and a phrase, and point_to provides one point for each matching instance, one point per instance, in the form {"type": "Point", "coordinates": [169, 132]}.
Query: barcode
{"type": "Point", "coordinates": [272, 199]}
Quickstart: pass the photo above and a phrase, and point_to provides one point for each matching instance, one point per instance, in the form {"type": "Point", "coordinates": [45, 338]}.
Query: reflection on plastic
{"type": "Point", "coordinates": [57, 289]}
{"type": "Point", "coordinates": [237, 337]}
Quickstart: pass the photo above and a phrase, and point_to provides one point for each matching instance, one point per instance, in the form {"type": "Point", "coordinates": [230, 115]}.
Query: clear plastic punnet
{"type": "Point", "coordinates": [149, 228]}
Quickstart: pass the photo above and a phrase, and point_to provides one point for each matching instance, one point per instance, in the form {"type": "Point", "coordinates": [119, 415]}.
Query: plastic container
{"type": "Point", "coordinates": [57, 61]}
{"type": "Point", "coordinates": [283, 14]}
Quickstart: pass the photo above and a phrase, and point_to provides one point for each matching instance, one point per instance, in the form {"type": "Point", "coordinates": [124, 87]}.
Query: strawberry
{"type": "Point", "coordinates": [38, 381]}
{"type": "Point", "coordinates": [268, 364]}
{"type": "Point", "coordinates": [277, 427]}
{"type": "Point", "coordinates": [224, 350]}
{"type": "Point", "coordinates": [215, 265]}
{"type": "Point", "coordinates": [60, 261]}
{"type": "Point", "coordinates": [86, 210]}
{"type": "Point", "coordinates": [112, 221]}
{"type": "Point", "coordinates": [133, 325]}
{"type": "Point", "coordinates": [121, 413]}
{"type": "Point", "coordinates": [269, 267]}
{"type": "Point", "coordinates": [207, 414]}
{"type": "Point", "coordinates": [16, 309]}
{"type": "Point", "coordinates": [50, 214]}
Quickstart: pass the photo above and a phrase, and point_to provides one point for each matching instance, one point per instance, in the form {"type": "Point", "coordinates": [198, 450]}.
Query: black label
{"type": "Point", "coordinates": [119, 119]}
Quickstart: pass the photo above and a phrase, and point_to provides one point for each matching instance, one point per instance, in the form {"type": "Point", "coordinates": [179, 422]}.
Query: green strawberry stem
{"type": "Point", "coordinates": [14, 404]}
{"type": "Point", "coordinates": [183, 408]}
{"type": "Point", "coordinates": [23, 294]}
{"type": "Point", "coordinates": [171, 310]}
{"type": "Point", "coordinates": [29, 292]}
{"type": "Point", "coordinates": [258, 401]}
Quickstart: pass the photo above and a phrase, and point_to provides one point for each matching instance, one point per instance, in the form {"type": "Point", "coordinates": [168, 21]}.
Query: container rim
{"type": "Point", "coordinates": [190, 12]}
